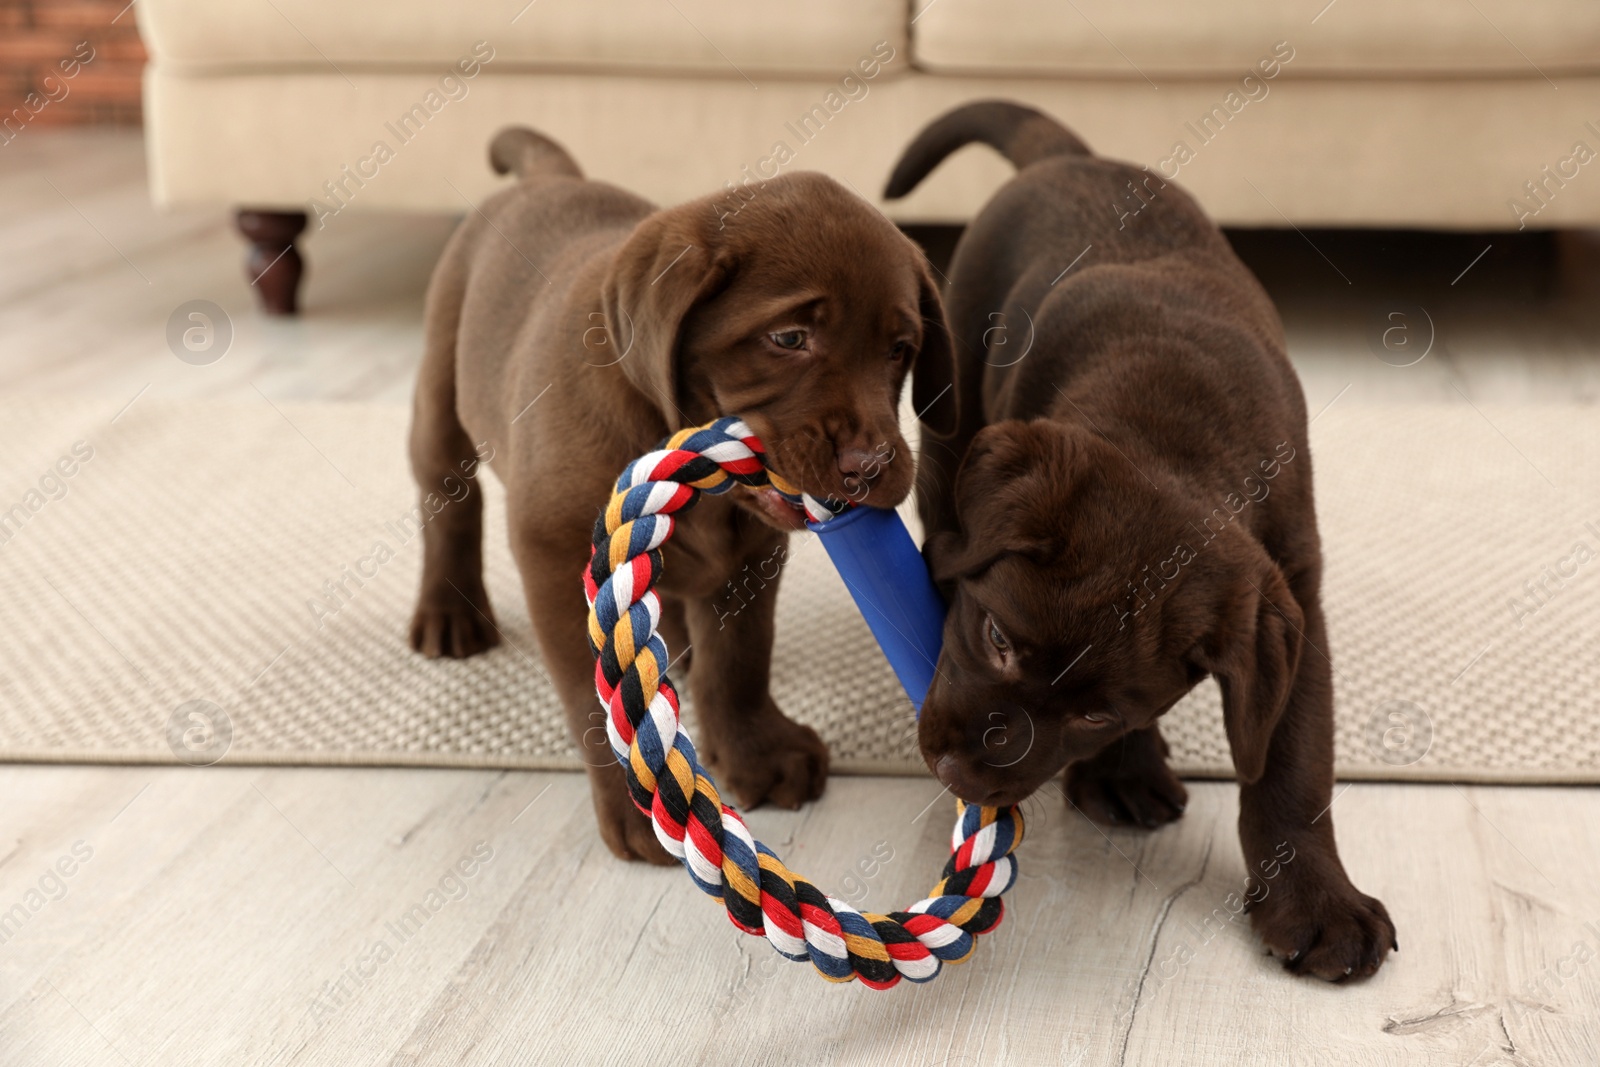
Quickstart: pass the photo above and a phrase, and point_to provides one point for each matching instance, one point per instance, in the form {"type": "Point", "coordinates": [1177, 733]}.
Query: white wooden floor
{"type": "Point", "coordinates": [257, 916]}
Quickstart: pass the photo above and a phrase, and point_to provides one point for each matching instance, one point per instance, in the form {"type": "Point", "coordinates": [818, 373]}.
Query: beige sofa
{"type": "Point", "coordinates": [1481, 114]}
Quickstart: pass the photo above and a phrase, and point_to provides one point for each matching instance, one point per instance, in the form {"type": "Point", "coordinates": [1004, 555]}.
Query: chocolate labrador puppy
{"type": "Point", "coordinates": [570, 327]}
{"type": "Point", "coordinates": [1124, 509]}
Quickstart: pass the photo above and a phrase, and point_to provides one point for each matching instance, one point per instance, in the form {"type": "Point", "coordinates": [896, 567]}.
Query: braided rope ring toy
{"type": "Point", "coordinates": [667, 783]}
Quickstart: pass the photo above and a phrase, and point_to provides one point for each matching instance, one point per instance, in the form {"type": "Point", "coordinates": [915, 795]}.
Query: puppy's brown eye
{"type": "Point", "coordinates": [1094, 720]}
{"type": "Point", "coordinates": [998, 639]}
{"type": "Point", "coordinates": [790, 340]}
{"type": "Point", "coordinates": [900, 351]}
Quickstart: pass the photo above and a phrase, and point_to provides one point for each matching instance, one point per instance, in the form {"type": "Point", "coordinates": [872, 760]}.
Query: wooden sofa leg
{"type": "Point", "coordinates": [273, 264]}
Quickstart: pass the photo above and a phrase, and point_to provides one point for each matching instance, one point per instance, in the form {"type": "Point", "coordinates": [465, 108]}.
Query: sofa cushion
{"type": "Point", "coordinates": [699, 36]}
{"type": "Point", "coordinates": [1432, 152]}
{"type": "Point", "coordinates": [1149, 38]}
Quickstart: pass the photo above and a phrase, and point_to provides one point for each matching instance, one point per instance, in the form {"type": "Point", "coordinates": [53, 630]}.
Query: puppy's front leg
{"type": "Point", "coordinates": [758, 753]}
{"type": "Point", "coordinates": [1302, 903]}
{"type": "Point", "coordinates": [1128, 782]}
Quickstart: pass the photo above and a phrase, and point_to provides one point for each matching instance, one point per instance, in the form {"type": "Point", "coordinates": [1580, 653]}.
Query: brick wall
{"type": "Point", "coordinates": [37, 35]}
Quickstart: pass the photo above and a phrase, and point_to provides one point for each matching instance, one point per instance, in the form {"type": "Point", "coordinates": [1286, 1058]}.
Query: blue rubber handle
{"type": "Point", "coordinates": [874, 554]}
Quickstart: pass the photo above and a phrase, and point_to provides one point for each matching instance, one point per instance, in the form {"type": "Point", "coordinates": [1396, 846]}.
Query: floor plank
{"type": "Point", "coordinates": [247, 915]}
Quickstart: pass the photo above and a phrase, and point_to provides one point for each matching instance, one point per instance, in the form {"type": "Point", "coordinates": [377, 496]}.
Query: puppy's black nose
{"type": "Point", "coordinates": [966, 785]}
{"type": "Point", "coordinates": [949, 770]}
{"type": "Point", "coordinates": [856, 462]}
{"type": "Point", "coordinates": [858, 465]}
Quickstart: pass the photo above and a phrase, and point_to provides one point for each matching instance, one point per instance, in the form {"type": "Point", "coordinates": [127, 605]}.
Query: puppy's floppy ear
{"type": "Point", "coordinates": [988, 489]}
{"type": "Point", "coordinates": [933, 392]}
{"type": "Point", "coordinates": [671, 262]}
{"type": "Point", "coordinates": [999, 452]}
{"type": "Point", "coordinates": [1254, 652]}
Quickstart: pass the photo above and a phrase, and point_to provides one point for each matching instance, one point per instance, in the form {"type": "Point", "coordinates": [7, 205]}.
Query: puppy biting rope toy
{"type": "Point", "coordinates": [875, 554]}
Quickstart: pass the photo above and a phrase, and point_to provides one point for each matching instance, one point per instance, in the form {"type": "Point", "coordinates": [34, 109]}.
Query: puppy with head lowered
{"type": "Point", "coordinates": [570, 326]}
{"type": "Point", "coordinates": [1125, 508]}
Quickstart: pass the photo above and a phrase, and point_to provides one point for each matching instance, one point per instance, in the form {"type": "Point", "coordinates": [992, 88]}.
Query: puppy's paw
{"type": "Point", "coordinates": [452, 624]}
{"type": "Point", "coordinates": [1147, 794]}
{"type": "Point", "coordinates": [626, 831]}
{"type": "Point", "coordinates": [774, 760]}
{"type": "Point", "coordinates": [1329, 929]}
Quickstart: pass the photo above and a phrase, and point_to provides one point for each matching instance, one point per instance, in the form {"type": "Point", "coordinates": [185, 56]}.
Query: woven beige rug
{"type": "Point", "coordinates": [165, 595]}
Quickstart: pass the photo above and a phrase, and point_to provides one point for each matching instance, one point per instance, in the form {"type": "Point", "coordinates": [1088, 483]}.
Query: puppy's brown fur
{"type": "Point", "coordinates": [570, 326]}
{"type": "Point", "coordinates": [1126, 508]}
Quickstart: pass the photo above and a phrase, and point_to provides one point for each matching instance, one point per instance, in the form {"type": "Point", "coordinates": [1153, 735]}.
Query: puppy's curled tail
{"type": "Point", "coordinates": [526, 153]}
{"type": "Point", "coordinates": [1022, 134]}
